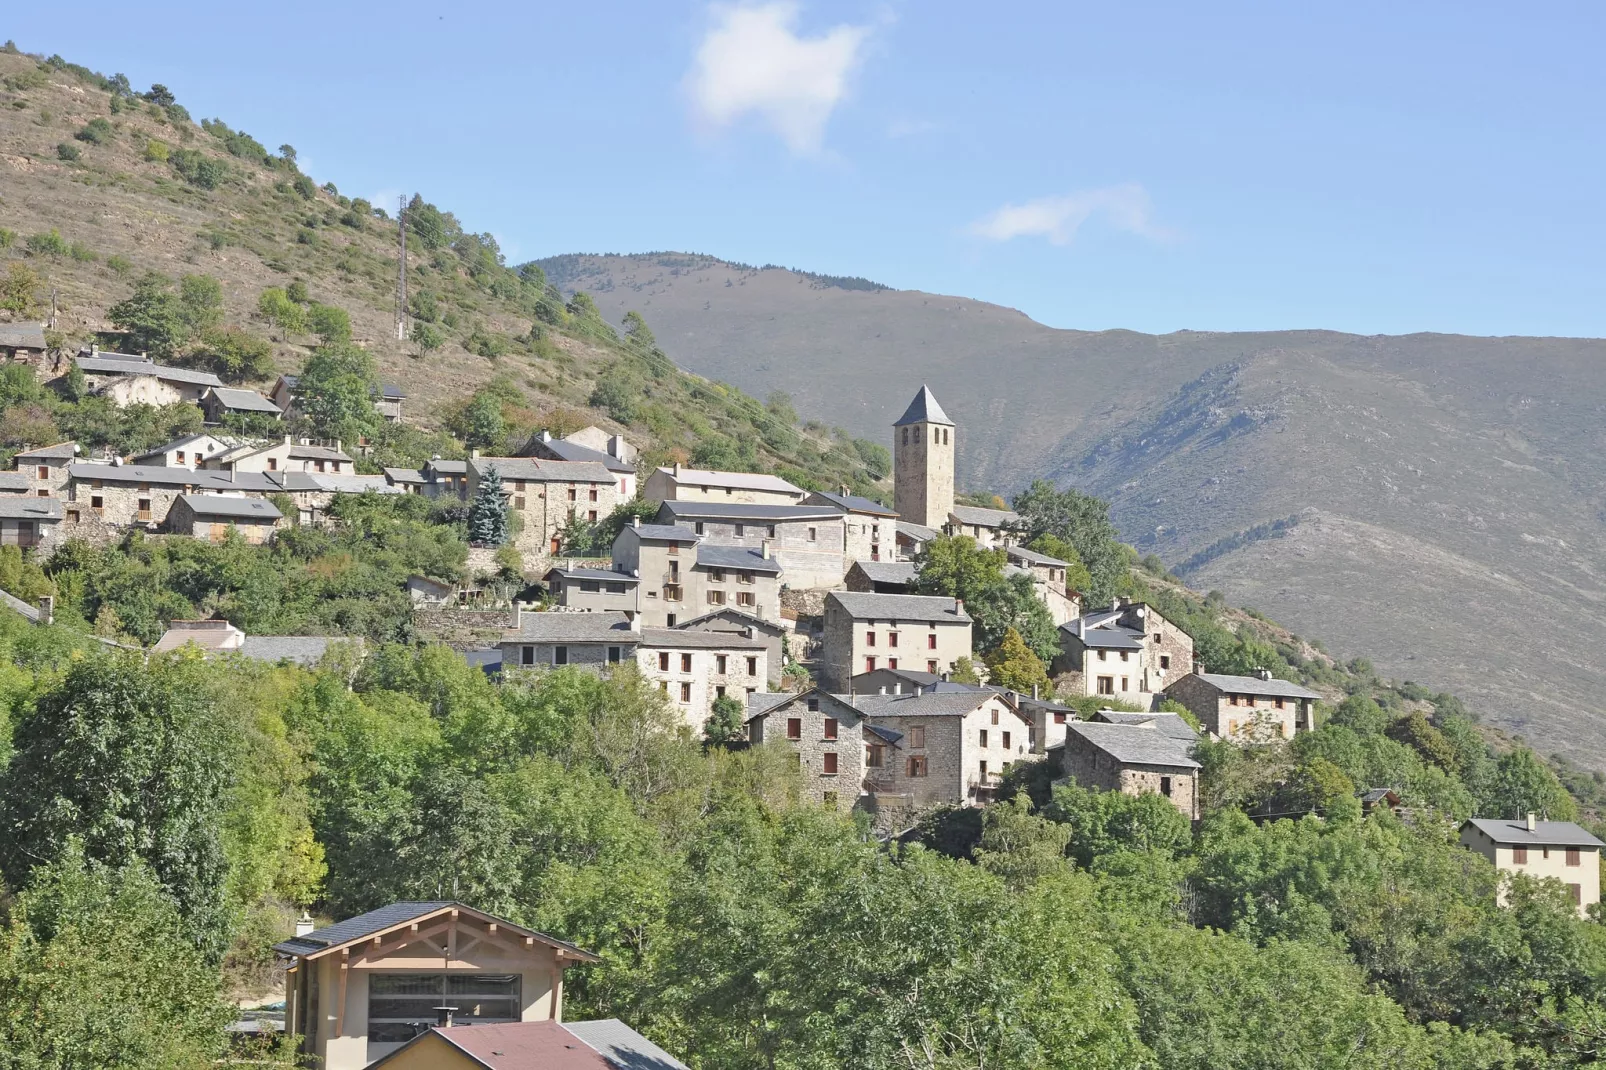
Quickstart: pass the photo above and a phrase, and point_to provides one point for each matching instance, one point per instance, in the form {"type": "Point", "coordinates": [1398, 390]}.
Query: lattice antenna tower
{"type": "Point", "coordinates": [401, 268]}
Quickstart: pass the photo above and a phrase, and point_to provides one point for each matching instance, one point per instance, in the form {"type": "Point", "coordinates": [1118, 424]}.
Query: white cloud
{"type": "Point", "coordinates": [754, 62]}
{"type": "Point", "coordinates": [1059, 218]}
{"type": "Point", "coordinates": [386, 199]}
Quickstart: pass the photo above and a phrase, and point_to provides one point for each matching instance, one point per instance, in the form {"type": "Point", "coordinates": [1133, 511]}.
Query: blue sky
{"type": "Point", "coordinates": [1379, 168]}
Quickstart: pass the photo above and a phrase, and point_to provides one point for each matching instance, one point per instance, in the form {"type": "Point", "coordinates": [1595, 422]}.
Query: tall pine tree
{"type": "Point", "coordinates": [487, 514]}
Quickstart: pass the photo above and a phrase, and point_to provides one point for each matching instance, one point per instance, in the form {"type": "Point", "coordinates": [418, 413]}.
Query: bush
{"type": "Point", "coordinates": [198, 169]}
{"type": "Point", "coordinates": [96, 132]}
{"type": "Point", "coordinates": [67, 151]}
{"type": "Point", "coordinates": [156, 151]}
{"type": "Point", "coordinates": [427, 337]}
{"type": "Point", "coordinates": [82, 253]}
{"type": "Point", "coordinates": [329, 323]}
{"type": "Point", "coordinates": [49, 243]}
{"type": "Point", "coordinates": [305, 186]}
{"type": "Point", "coordinates": [119, 264]}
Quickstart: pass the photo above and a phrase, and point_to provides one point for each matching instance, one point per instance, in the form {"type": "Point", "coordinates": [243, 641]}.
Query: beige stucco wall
{"type": "Point", "coordinates": [1542, 862]}
{"type": "Point", "coordinates": [923, 473]}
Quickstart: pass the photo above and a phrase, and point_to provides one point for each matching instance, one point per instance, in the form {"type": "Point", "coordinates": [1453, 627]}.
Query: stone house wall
{"type": "Point", "coordinates": [811, 710]}
{"type": "Point", "coordinates": [120, 502]}
{"type": "Point", "coordinates": [848, 646]}
{"type": "Point", "coordinates": [1247, 718]}
{"type": "Point", "coordinates": [690, 678]}
{"type": "Point", "coordinates": [518, 654]}
{"type": "Point", "coordinates": [1092, 768]}
{"type": "Point", "coordinates": [806, 562]}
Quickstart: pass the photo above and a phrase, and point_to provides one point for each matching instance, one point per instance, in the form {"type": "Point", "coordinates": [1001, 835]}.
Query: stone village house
{"type": "Point", "coordinates": [547, 497]}
{"type": "Point", "coordinates": [1246, 708]}
{"type": "Point", "coordinates": [864, 632]}
{"type": "Point", "coordinates": [807, 540]}
{"type": "Point", "coordinates": [827, 733]}
{"type": "Point", "coordinates": [1135, 758]}
{"type": "Point", "coordinates": [682, 575]}
{"type": "Point", "coordinates": [1127, 652]}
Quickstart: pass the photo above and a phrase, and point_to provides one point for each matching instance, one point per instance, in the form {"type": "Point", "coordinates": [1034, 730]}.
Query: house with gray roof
{"type": "Point", "coordinates": [952, 746]}
{"type": "Point", "coordinates": [548, 496]}
{"type": "Point", "coordinates": [807, 540]}
{"type": "Point", "coordinates": [869, 528]}
{"type": "Point", "coordinates": [828, 734]}
{"type": "Point", "coordinates": [911, 537]}
{"type": "Point", "coordinates": [680, 483]}
{"type": "Point", "coordinates": [1048, 575]}
{"type": "Point", "coordinates": [1126, 653]}
{"type": "Point", "coordinates": [774, 633]}
{"type": "Point", "coordinates": [126, 379]}
{"type": "Point", "coordinates": [695, 668]}
{"type": "Point", "coordinates": [989, 527]}
{"type": "Point", "coordinates": [683, 575]}
{"type": "Point", "coordinates": [1137, 758]}
{"type": "Point", "coordinates": [1246, 709]}
{"type": "Point", "coordinates": [1543, 850]}
{"type": "Point", "coordinates": [23, 343]}
{"type": "Point", "coordinates": [221, 401]}
{"type": "Point", "coordinates": [29, 522]}
{"type": "Point", "coordinates": [881, 577]}
{"type": "Point", "coordinates": [594, 590]}
{"type": "Point", "coordinates": [865, 632]}
{"type": "Point", "coordinates": [610, 451]}
{"type": "Point", "coordinates": [212, 516]}
{"type": "Point", "coordinates": [558, 638]}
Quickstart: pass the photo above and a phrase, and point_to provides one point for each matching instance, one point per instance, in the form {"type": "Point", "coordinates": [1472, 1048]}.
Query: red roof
{"type": "Point", "coordinates": [523, 1046]}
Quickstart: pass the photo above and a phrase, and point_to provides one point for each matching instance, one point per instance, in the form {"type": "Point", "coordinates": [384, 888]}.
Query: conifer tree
{"type": "Point", "coordinates": [487, 514]}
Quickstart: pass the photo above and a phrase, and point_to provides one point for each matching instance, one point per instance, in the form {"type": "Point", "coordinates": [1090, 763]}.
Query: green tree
{"type": "Point", "coordinates": [97, 969]}
{"type": "Point", "coordinates": [427, 337]}
{"type": "Point", "coordinates": [153, 316]}
{"type": "Point", "coordinates": [616, 393]}
{"type": "Point", "coordinates": [487, 513]}
{"type": "Point", "coordinates": [965, 671]}
{"type": "Point", "coordinates": [237, 355]}
{"type": "Point", "coordinates": [725, 723]}
{"type": "Point", "coordinates": [1013, 665]}
{"type": "Point", "coordinates": [1523, 783]}
{"type": "Point", "coordinates": [201, 304]}
{"type": "Point", "coordinates": [636, 330]}
{"type": "Point", "coordinates": [956, 567]}
{"type": "Point", "coordinates": [336, 391]}
{"type": "Point", "coordinates": [329, 323]}
{"type": "Point", "coordinates": [479, 423]}
{"type": "Point", "coordinates": [18, 288]}
{"type": "Point", "coordinates": [1077, 578]}
{"type": "Point", "coordinates": [132, 763]}
{"type": "Point", "coordinates": [275, 306]}
{"type": "Point", "coordinates": [161, 96]}
{"type": "Point", "coordinates": [1083, 522]}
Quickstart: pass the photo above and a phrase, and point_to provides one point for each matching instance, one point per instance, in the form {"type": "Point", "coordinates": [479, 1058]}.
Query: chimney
{"type": "Point", "coordinates": [635, 521]}
{"type": "Point", "coordinates": [959, 606]}
{"type": "Point", "coordinates": [882, 690]}
{"type": "Point", "coordinates": [47, 609]}
{"type": "Point", "coordinates": [677, 469]}
{"type": "Point", "coordinates": [764, 549]}
{"type": "Point", "coordinates": [1034, 691]}
{"type": "Point", "coordinates": [94, 349]}
{"type": "Point", "coordinates": [473, 455]}
{"type": "Point", "coordinates": [546, 436]}
{"type": "Point", "coordinates": [1533, 821]}
{"type": "Point", "coordinates": [518, 617]}
{"type": "Point", "coordinates": [1263, 674]}
{"type": "Point", "coordinates": [1115, 603]}
{"type": "Point", "coordinates": [443, 1017]}
{"type": "Point", "coordinates": [304, 924]}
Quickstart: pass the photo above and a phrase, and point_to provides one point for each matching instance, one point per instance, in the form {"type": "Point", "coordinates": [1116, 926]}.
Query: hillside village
{"type": "Point", "coordinates": [399, 718]}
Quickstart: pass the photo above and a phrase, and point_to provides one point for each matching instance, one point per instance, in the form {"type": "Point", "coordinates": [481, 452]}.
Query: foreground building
{"type": "Point", "coordinates": [1134, 758]}
{"type": "Point", "coordinates": [1246, 709]}
{"type": "Point", "coordinates": [1559, 850]}
{"type": "Point", "coordinates": [940, 747]}
{"type": "Point", "coordinates": [865, 632]}
{"type": "Point", "coordinates": [829, 735]}
{"type": "Point", "coordinates": [358, 990]}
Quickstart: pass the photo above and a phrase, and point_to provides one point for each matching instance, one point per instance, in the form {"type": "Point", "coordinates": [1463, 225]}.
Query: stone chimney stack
{"type": "Point", "coordinates": [764, 549]}
{"type": "Point", "coordinates": [304, 924]}
{"type": "Point", "coordinates": [47, 609]}
{"type": "Point", "coordinates": [959, 606]}
{"type": "Point", "coordinates": [1533, 821]}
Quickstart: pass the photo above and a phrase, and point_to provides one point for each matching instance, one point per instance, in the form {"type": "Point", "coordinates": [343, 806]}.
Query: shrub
{"type": "Point", "coordinates": [68, 151]}
{"type": "Point", "coordinates": [329, 323]}
{"type": "Point", "coordinates": [427, 337]}
{"type": "Point", "coordinates": [176, 114]}
{"type": "Point", "coordinates": [305, 186]}
{"type": "Point", "coordinates": [18, 287]}
{"type": "Point", "coordinates": [50, 243]}
{"type": "Point", "coordinates": [82, 253]}
{"type": "Point", "coordinates": [119, 264]}
{"type": "Point", "coordinates": [96, 132]}
{"type": "Point", "coordinates": [487, 344]}
{"type": "Point", "coordinates": [236, 355]}
{"type": "Point", "coordinates": [156, 151]}
{"type": "Point", "coordinates": [8, 238]}
{"type": "Point", "coordinates": [198, 169]}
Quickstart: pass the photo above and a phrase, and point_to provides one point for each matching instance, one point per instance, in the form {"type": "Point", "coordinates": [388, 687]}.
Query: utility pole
{"type": "Point", "coordinates": [401, 268]}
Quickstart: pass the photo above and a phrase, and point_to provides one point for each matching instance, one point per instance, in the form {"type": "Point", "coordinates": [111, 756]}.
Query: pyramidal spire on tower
{"type": "Point", "coordinates": [924, 409]}
{"type": "Point", "coordinates": [923, 462]}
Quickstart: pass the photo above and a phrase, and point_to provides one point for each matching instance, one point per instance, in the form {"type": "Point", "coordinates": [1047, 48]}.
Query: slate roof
{"type": "Point", "coordinates": [14, 481]}
{"type": "Point", "coordinates": [573, 451]}
{"type": "Point", "coordinates": [60, 451]}
{"type": "Point", "coordinates": [233, 508]}
{"type": "Point", "coordinates": [914, 676]}
{"type": "Point", "coordinates": [405, 475]}
{"type": "Point", "coordinates": [23, 507]}
{"type": "Point", "coordinates": [855, 504]}
{"type": "Point", "coordinates": [126, 364]}
{"type": "Point", "coordinates": [864, 606]}
{"type": "Point", "coordinates": [602, 574]}
{"type": "Point", "coordinates": [743, 511]}
{"type": "Point", "coordinates": [708, 477]}
{"type": "Point", "coordinates": [664, 533]}
{"type": "Point", "coordinates": [924, 409]}
{"type": "Point", "coordinates": [333, 936]}
{"type": "Point", "coordinates": [1032, 557]}
{"type": "Point", "coordinates": [308, 452]}
{"type": "Point", "coordinates": [1108, 638]}
{"type": "Point", "coordinates": [169, 476]}
{"type": "Point", "coordinates": [733, 616]}
{"type": "Point", "coordinates": [607, 627]}
{"type": "Point", "coordinates": [736, 557]}
{"type": "Point", "coordinates": [536, 470]}
{"type": "Point", "coordinates": [22, 335]}
{"type": "Point", "coordinates": [449, 468]}
{"type": "Point", "coordinates": [761, 702]}
{"type": "Point", "coordinates": [677, 639]}
{"type": "Point", "coordinates": [1167, 724]}
{"type": "Point", "coordinates": [887, 571]}
{"type": "Point", "coordinates": [243, 400]}
{"type": "Point", "coordinates": [300, 649]}
{"type": "Point", "coordinates": [890, 735]}
{"type": "Point", "coordinates": [1544, 834]}
{"type": "Point", "coordinates": [927, 704]}
{"type": "Point", "coordinates": [987, 518]}
{"type": "Point", "coordinates": [623, 1047]}
{"type": "Point", "coordinates": [1253, 685]}
{"type": "Point", "coordinates": [350, 484]}
{"type": "Point", "coordinates": [384, 390]}
{"type": "Point", "coordinates": [1132, 744]}
{"type": "Point", "coordinates": [917, 532]}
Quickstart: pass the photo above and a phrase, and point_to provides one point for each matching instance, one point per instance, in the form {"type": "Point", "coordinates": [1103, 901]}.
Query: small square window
{"type": "Point", "coordinates": [685, 692]}
{"type": "Point", "coordinates": [828, 763]}
{"type": "Point", "coordinates": [794, 728]}
{"type": "Point", "coordinates": [830, 728]}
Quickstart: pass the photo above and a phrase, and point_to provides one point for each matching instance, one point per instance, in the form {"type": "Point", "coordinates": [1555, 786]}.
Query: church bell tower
{"type": "Point", "coordinates": [923, 463]}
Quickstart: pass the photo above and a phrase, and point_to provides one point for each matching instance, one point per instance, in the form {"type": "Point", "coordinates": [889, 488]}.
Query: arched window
{"type": "Point", "coordinates": [936, 435]}
{"type": "Point", "coordinates": [906, 436]}
{"type": "Point", "coordinates": [945, 436]}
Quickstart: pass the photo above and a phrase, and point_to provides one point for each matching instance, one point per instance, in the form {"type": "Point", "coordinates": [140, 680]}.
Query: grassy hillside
{"type": "Point", "coordinates": [103, 185]}
{"type": "Point", "coordinates": [1448, 491]}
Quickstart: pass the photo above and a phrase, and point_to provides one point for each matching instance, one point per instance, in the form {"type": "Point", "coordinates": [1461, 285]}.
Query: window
{"type": "Point", "coordinates": [814, 535]}
{"type": "Point", "coordinates": [744, 577]}
{"type": "Point", "coordinates": [593, 493]}
{"type": "Point", "coordinates": [591, 515]}
{"type": "Point", "coordinates": [828, 763]}
{"type": "Point", "coordinates": [674, 571]}
{"type": "Point", "coordinates": [917, 736]}
{"type": "Point", "coordinates": [699, 528]}
{"type": "Point", "coordinates": [772, 531]}
{"type": "Point", "coordinates": [1519, 856]}
{"type": "Point", "coordinates": [663, 661]}
{"type": "Point", "coordinates": [144, 508]}
{"type": "Point", "coordinates": [1126, 683]}
{"type": "Point", "coordinates": [945, 436]}
{"type": "Point", "coordinates": [319, 466]}
{"type": "Point", "coordinates": [1006, 740]}
{"type": "Point", "coordinates": [590, 586]}
{"type": "Point", "coordinates": [814, 704]}
{"type": "Point", "coordinates": [1277, 702]}
{"type": "Point", "coordinates": [983, 739]}
{"type": "Point", "coordinates": [1125, 656]}
{"type": "Point", "coordinates": [1232, 700]}
{"type": "Point", "coordinates": [273, 464]}
{"type": "Point", "coordinates": [875, 756]}
{"type": "Point", "coordinates": [869, 638]}
{"type": "Point", "coordinates": [671, 592]}
{"type": "Point", "coordinates": [869, 664]}
{"type": "Point", "coordinates": [905, 436]}
{"type": "Point", "coordinates": [685, 663]}
{"type": "Point", "coordinates": [44, 493]}
{"type": "Point", "coordinates": [96, 502]}
{"type": "Point", "coordinates": [794, 728]}
{"type": "Point", "coordinates": [752, 666]}
{"type": "Point", "coordinates": [828, 798]}
{"type": "Point", "coordinates": [719, 692]}
{"type": "Point", "coordinates": [44, 469]}
{"type": "Point", "coordinates": [1572, 856]}
{"type": "Point", "coordinates": [518, 501]}
{"type": "Point", "coordinates": [892, 638]}
{"type": "Point", "coordinates": [1165, 786]}
{"type": "Point", "coordinates": [719, 664]}
{"type": "Point", "coordinates": [830, 728]}
{"type": "Point", "coordinates": [917, 765]}
{"type": "Point", "coordinates": [741, 529]}
{"type": "Point", "coordinates": [685, 691]}
{"type": "Point", "coordinates": [995, 717]}
{"type": "Point", "coordinates": [1106, 685]}
{"type": "Point", "coordinates": [674, 549]}
{"type": "Point", "coordinates": [573, 495]}
{"type": "Point", "coordinates": [1578, 894]}
{"type": "Point", "coordinates": [716, 575]}
{"type": "Point", "coordinates": [614, 654]}
{"type": "Point", "coordinates": [1157, 637]}
{"type": "Point", "coordinates": [560, 655]}
{"type": "Point", "coordinates": [716, 598]}
{"type": "Point", "coordinates": [669, 620]}
{"type": "Point", "coordinates": [931, 641]}
{"type": "Point", "coordinates": [72, 516]}
{"type": "Point", "coordinates": [527, 655]}
{"type": "Point", "coordinates": [402, 1005]}
{"type": "Point", "coordinates": [931, 666]}
{"type": "Point", "coordinates": [1165, 661]}
{"type": "Point", "coordinates": [892, 663]}
{"type": "Point", "coordinates": [981, 767]}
